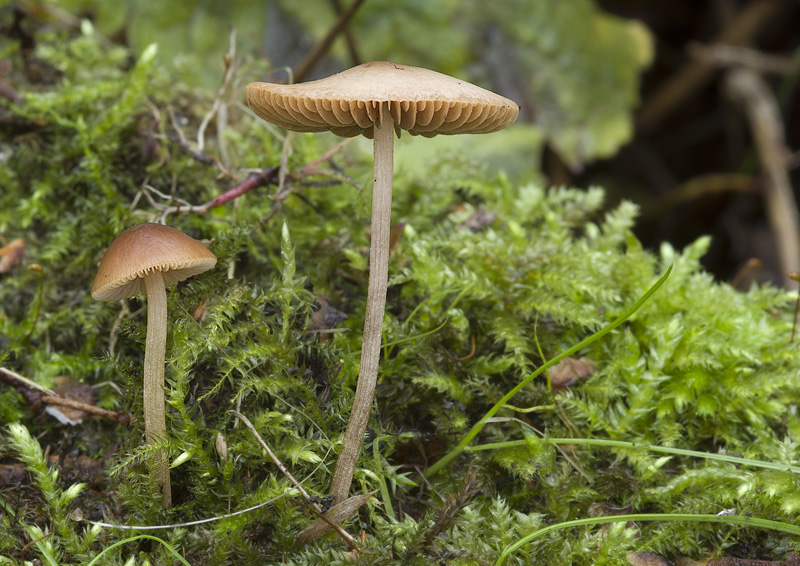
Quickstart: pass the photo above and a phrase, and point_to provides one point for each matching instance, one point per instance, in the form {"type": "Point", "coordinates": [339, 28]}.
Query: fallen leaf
{"type": "Point", "coordinates": [480, 219]}
{"type": "Point", "coordinates": [13, 475]}
{"type": "Point", "coordinates": [570, 370]}
{"type": "Point", "coordinates": [326, 316]}
{"type": "Point", "coordinates": [70, 388]}
{"type": "Point", "coordinates": [12, 254]}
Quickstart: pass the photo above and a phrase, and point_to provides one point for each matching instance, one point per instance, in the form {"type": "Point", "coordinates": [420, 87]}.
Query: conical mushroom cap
{"type": "Point", "coordinates": [420, 101]}
{"type": "Point", "coordinates": [144, 249]}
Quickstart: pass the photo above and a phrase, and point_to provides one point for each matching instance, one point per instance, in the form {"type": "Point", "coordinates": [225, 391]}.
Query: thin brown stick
{"type": "Point", "coordinates": [117, 416]}
{"type": "Point", "coordinates": [324, 44]}
{"type": "Point", "coordinates": [310, 503]}
{"type": "Point", "coordinates": [750, 265]}
{"type": "Point", "coordinates": [179, 138]}
{"type": "Point", "coordinates": [723, 55]}
{"type": "Point", "coordinates": [266, 177]}
{"type": "Point", "coordinates": [36, 395]}
{"type": "Point", "coordinates": [696, 74]}
{"type": "Point", "coordinates": [34, 541]}
{"type": "Point", "coordinates": [763, 114]}
{"type": "Point", "coordinates": [471, 349]}
{"type": "Point", "coordinates": [699, 187]}
{"type": "Point", "coordinates": [276, 461]}
{"type": "Point", "coordinates": [261, 178]}
{"type": "Point", "coordinates": [14, 379]}
{"type": "Point", "coordinates": [355, 59]}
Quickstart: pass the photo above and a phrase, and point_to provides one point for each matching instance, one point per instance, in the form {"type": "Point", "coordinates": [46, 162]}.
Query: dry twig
{"type": "Point", "coordinates": [732, 55]}
{"type": "Point", "coordinates": [763, 114]}
{"type": "Point", "coordinates": [696, 74]}
{"type": "Point", "coordinates": [355, 58]}
{"type": "Point", "coordinates": [324, 44]}
{"type": "Point", "coordinates": [36, 395]}
{"type": "Point", "coordinates": [275, 460]}
{"type": "Point", "coordinates": [326, 518]}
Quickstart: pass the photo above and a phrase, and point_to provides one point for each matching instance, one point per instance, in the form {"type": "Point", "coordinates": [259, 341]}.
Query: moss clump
{"type": "Point", "coordinates": [488, 280]}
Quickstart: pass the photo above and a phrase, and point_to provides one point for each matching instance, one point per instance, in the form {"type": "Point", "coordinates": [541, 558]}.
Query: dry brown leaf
{"type": "Point", "coordinates": [12, 254]}
{"type": "Point", "coordinates": [327, 316]}
{"type": "Point", "coordinates": [482, 218]}
{"type": "Point", "coordinates": [70, 388]}
{"type": "Point", "coordinates": [569, 371]}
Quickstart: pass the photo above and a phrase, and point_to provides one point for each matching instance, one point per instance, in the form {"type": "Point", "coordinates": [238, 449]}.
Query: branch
{"type": "Point", "coordinates": [693, 76]}
{"type": "Point", "coordinates": [322, 47]}
{"type": "Point", "coordinates": [723, 55]}
{"type": "Point", "coordinates": [264, 178]}
{"type": "Point", "coordinates": [749, 89]}
{"type": "Point", "coordinates": [36, 395]}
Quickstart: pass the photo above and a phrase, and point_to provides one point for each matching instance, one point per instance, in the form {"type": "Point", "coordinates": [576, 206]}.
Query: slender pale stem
{"type": "Point", "coordinates": [376, 301]}
{"type": "Point", "coordinates": [155, 426]}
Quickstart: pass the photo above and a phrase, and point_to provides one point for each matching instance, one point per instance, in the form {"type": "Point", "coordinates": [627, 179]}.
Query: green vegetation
{"type": "Point", "coordinates": [477, 304]}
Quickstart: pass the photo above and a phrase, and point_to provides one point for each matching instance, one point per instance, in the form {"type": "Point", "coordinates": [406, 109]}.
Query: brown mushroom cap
{"type": "Point", "coordinates": [349, 103]}
{"type": "Point", "coordinates": [144, 249]}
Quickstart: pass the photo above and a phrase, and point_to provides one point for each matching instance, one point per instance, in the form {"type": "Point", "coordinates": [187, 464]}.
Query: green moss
{"type": "Point", "coordinates": [471, 312]}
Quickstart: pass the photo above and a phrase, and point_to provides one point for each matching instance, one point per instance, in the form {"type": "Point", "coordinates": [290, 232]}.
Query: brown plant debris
{"type": "Point", "coordinates": [646, 559]}
{"type": "Point", "coordinates": [12, 254]}
{"type": "Point", "coordinates": [569, 371]}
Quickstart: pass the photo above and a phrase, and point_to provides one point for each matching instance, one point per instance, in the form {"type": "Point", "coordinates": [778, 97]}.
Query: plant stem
{"type": "Point", "coordinates": [155, 426]}
{"type": "Point", "coordinates": [168, 546]}
{"type": "Point", "coordinates": [376, 301]}
{"type": "Point", "coordinates": [727, 519]}
{"type": "Point", "coordinates": [473, 432]}
{"type": "Point", "coordinates": [777, 466]}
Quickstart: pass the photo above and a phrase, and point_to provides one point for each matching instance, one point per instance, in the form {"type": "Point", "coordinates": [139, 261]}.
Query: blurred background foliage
{"type": "Point", "coordinates": [581, 81]}
{"type": "Point", "coordinates": [611, 92]}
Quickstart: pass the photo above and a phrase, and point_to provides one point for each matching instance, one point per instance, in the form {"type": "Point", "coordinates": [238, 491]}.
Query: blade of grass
{"type": "Point", "coordinates": [473, 432]}
{"type": "Point", "coordinates": [727, 519]}
{"type": "Point", "coordinates": [168, 546]}
{"type": "Point", "coordinates": [622, 444]}
{"type": "Point", "coordinates": [387, 501]}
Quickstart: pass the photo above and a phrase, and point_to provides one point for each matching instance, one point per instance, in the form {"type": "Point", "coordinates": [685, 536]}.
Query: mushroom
{"type": "Point", "coordinates": [148, 257]}
{"type": "Point", "coordinates": [376, 100]}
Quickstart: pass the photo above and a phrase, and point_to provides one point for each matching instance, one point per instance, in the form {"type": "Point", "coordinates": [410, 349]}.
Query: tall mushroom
{"type": "Point", "coordinates": [148, 257]}
{"type": "Point", "coordinates": [376, 100]}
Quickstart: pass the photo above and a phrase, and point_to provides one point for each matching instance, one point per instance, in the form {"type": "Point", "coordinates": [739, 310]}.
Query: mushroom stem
{"type": "Point", "coordinates": [376, 300]}
{"type": "Point", "coordinates": [155, 426]}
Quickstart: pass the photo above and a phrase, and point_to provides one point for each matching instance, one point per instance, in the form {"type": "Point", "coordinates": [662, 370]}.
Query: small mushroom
{"type": "Point", "coordinates": [376, 100]}
{"type": "Point", "coordinates": [148, 257]}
